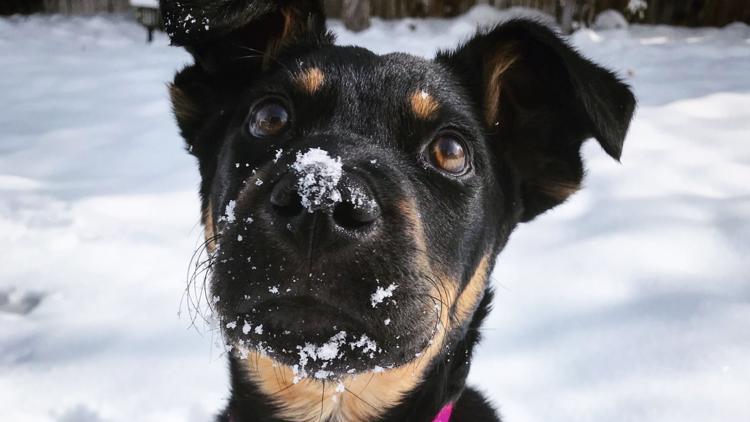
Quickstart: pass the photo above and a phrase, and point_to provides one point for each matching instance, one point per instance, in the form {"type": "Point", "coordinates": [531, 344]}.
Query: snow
{"type": "Point", "coordinates": [229, 212]}
{"type": "Point", "coordinates": [318, 175]}
{"type": "Point", "coordinates": [637, 7]}
{"type": "Point", "coordinates": [327, 351]}
{"type": "Point", "coordinates": [144, 3]}
{"type": "Point", "coordinates": [381, 294]}
{"type": "Point", "coordinates": [359, 199]}
{"type": "Point", "coordinates": [610, 19]}
{"type": "Point", "coordinates": [629, 302]}
{"type": "Point", "coordinates": [340, 387]}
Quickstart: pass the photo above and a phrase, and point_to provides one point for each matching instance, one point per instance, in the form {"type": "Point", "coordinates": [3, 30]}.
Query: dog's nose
{"type": "Point", "coordinates": [348, 208]}
{"type": "Point", "coordinates": [284, 198]}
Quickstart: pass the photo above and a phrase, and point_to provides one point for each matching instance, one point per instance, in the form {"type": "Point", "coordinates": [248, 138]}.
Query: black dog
{"type": "Point", "coordinates": [355, 203]}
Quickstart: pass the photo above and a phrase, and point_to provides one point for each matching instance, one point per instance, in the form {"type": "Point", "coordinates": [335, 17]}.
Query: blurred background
{"type": "Point", "coordinates": [630, 302]}
{"type": "Point", "coordinates": [569, 13]}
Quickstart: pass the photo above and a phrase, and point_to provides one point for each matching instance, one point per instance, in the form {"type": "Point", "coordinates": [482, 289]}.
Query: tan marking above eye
{"type": "Point", "coordinates": [310, 80]}
{"type": "Point", "coordinates": [424, 105]}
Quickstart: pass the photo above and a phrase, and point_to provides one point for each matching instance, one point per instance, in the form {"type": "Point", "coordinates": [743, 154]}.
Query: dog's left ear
{"type": "Point", "coordinates": [539, 100]}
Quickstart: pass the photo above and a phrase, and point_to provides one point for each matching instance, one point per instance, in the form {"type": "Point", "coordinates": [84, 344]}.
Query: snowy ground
{"type": "Point", "coordinates": [631, 302]}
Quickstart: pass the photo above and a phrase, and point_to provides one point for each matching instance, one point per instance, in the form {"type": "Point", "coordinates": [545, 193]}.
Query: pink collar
{"type": "Point", "coordinates": [445, 413]}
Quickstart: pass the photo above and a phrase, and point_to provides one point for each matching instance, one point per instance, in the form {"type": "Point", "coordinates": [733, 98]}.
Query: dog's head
{"type": "Point", "coordinates": [356, 202]}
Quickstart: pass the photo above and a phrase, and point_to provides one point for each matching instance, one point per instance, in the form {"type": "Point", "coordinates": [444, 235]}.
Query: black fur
{"type": "Point", "coordinates": [516, 98]}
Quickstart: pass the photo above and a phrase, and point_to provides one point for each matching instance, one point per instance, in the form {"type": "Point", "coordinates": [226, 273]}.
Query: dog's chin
{"type": "Point", "coordinates": [318, 340]}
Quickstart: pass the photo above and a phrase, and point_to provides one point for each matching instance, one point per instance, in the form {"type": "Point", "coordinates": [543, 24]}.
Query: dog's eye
{"type": "Point", "coordinates": [447, 154]}
{"type": "Point", "coordinates": [270, 118]}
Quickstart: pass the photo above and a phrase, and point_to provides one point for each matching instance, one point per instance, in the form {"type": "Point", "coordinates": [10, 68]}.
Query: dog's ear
{"type": "Point", "coordinates": [240, 35]}
{"type": "Point", "coordinates": [232, 42]}
{"type": "Point", "coordinates": [539, 100]}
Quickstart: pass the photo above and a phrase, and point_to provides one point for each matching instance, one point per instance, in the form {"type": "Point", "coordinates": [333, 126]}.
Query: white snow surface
{"type": "Point", "coordinates": [610, 19]}
{"type": "Point", "coordinates": [144, 3]}
{"type": "Point", "coordinates": [629, 302]}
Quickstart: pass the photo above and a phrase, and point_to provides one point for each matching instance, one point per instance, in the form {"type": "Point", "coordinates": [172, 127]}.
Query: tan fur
{"type": "Point", "coordinates": [408, 209]}
{"type": "Point", "coordinates": [559, 190]}
{"type": "Point", "coordinates": [291, 16]}
{"type": "Point", "coordinates": [310, 80]}
{"type": "Point", "coordinates": [182, 106]}
{"type": "Point", "coordinates": [494, 68]}
{"type": "Point", "coordinates": [424, 105]}
{"type": "Point", "coordinates": [366, 395]}
{"type": "Point", "coordinates": [369, 395]}
{"type": "Point", "coordinates": [207, 217]}
{"type": "Point", "coordinates": [472, 294]}
{"type": "Point", "coordinates": [291, 26]}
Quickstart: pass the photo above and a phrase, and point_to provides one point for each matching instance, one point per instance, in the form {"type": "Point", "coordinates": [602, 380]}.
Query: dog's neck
{"type": "Point", "coordinates": [263, 390]}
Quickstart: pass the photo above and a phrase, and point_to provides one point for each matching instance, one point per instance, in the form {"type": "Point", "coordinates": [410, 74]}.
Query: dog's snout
{"type": "Point", "coordinates": [348, 212]}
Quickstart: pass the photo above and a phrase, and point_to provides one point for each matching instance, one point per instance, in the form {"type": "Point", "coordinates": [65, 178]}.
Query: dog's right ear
{"type": "Point", "coordinates": [239, 35]}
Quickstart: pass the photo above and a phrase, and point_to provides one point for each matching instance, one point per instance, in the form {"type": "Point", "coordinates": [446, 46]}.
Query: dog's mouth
{"type": "Point", "coordinates": [305, 317]}
{"type": "Point", "coordinates": [355, 312]}
{"type": "Point", "coordinates": [314, 338]}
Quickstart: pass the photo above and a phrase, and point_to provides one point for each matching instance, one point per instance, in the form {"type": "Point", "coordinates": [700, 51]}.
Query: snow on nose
{"type": "Point", "coordinates": [318, 176]}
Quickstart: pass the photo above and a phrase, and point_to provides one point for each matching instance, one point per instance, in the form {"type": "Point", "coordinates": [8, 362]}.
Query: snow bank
{"type": "Point", "coordinates": [630, 302]}
{"type": "Point", "coordinates": [610, 19]}
{"type": "Point", "coordinates": [144, 3]}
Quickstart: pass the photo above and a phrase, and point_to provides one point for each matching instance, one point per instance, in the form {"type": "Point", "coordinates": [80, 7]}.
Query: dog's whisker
{"type": "Point", "coordinates": [360, 398]}
{"type": "Point", "coordinates": [322, 400]}
{"type": "Point", "coordinates": [195, 292]}
{"type": "Point", "coordinates": [367, 384]}
{"type": "Point", "coordinates": [263, 55]}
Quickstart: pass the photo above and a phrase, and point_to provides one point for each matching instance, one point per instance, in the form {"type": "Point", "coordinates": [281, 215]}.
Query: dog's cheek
{"type": "Point", "coordinates": [472, 293]}
{"type": "Point", "coordinates": [185, 110]}
{"type": "Point", "coordinates": [209, 234]}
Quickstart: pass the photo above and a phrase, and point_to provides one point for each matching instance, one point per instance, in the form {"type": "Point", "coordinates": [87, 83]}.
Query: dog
{"type": "Point", "coordinates": [354, 204]}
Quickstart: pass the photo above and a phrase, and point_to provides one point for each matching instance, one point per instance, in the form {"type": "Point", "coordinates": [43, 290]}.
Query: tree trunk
{"type": "Point", "coordinates": [356, 14]}
{"type": "Point", "coordinates": [566, 15]}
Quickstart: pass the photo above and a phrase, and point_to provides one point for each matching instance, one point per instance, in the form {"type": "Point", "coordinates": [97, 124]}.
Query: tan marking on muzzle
{"type": "Point", "coordinates": [365, 398]}
{"type": "Point", "coordinates": [410, 212]}
{"type": "Point", "coordinates": [472, 294]}
{"type": "Point", "coordinates": [310, 80]}
{"type": "Point", "coordinates": [424, 105]}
